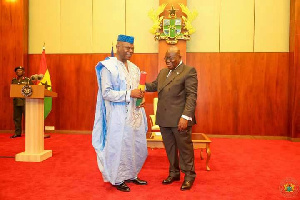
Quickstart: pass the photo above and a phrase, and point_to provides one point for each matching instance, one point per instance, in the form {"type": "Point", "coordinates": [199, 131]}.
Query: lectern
{"type": "Point", "coordinates": [34, 123]}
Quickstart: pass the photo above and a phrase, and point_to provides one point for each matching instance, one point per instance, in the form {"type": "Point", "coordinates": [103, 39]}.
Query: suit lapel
{"type": "Point", "coordinates": [166, 81]}
{"type": "Point", "coordinates": [163, 76]}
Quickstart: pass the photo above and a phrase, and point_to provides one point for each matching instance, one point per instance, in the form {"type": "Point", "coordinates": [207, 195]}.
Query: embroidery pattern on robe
{"type": "Point", "coordinates": [135, 120]}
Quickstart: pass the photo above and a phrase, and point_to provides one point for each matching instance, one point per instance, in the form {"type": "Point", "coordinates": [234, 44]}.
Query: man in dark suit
{"type": "Point", "coordinates": [177, 94]}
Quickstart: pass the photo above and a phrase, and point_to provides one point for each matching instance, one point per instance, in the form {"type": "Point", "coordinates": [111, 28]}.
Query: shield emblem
{"type": "Point", "coordinates": [172, 27]}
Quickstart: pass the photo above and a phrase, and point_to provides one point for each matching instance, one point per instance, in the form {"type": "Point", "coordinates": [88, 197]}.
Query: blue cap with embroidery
{"type": "Point", "coordinates": [126, 38]}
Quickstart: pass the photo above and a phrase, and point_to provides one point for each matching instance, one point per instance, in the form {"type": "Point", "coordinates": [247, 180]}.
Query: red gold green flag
{"type": "Point", "coordinates": [47, 82]}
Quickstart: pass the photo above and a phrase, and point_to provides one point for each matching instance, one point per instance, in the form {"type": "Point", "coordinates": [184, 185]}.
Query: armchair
{"type": "Point", "coordinates": [155, 131]}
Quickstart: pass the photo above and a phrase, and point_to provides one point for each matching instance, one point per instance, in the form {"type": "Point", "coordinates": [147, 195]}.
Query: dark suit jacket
{"type": "Point", "coordinates": [177, 95]}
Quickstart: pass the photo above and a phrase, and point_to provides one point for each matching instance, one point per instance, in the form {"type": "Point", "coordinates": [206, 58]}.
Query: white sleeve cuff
{"type": "Point", "coordinates": [186, 117]}
{"type": "Point", "coordinates": [127, 97]}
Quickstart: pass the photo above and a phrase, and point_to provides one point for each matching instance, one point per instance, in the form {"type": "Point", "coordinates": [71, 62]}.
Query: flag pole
{"type": "Point", "coordinates": [112, 50]}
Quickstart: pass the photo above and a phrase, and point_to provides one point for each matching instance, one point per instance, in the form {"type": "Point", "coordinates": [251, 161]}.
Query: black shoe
{"type": "Point", "coordinates": [122, 187]}
{"type": "Point", "coordinates": [137, 181]}
{"type": "Point", "coordinates": [170, 180]}
{"type": "Point", "coordinates": [14, 136]}
{"type": "Point", "coordinates": [186, 185]}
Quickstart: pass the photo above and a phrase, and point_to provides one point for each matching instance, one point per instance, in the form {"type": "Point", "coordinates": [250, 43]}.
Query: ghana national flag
{"type": "Point", "coordinates": [47, 82]}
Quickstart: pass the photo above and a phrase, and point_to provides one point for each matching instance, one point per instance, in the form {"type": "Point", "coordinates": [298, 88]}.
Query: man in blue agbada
{"type": "Point", "coordinates": [119, 133]}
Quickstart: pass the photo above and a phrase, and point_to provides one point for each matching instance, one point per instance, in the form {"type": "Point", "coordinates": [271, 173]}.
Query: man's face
{"type": "Point", "coordinates": [172, 59]}
{"type": "Point", "coordinates": [19, 72]}
{"type": "Point", "coordinates": [125, 50]}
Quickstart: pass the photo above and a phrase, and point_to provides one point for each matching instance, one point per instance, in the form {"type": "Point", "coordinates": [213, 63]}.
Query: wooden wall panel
{"type": "Point", "coordinates": [242, 93]}
{"type": "Point", "coordinates": [294, 89]}
{"type": "Point", "coordinates": [13, 52]}
{"type": "Point", "coordinates": [239, 93]}
{"type": "Point", "coordinates": [74, 79]}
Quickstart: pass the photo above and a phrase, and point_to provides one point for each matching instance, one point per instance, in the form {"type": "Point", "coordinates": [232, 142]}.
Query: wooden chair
{"type": "Point", "coordinates": [155, 131]}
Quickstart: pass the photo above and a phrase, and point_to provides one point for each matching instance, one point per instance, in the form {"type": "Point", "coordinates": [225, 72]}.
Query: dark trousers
{"type": "Point", "coordinates": [175, 141]}
{"type": "Point", "coordinates": [18, 112]}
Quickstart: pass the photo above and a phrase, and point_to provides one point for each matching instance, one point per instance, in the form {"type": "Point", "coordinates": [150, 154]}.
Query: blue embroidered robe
{"type": "Point", "coordinates": [119, 133]}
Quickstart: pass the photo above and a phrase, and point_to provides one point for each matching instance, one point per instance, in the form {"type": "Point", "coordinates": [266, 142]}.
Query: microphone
{"type": "Point", "coordinates": [37, 77]}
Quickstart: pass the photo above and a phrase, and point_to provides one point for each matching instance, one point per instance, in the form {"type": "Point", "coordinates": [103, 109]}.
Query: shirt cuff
{"type": "Point", "coordinates": [186, 117]}
{"type": "Point", "coordinates": [127, 96]}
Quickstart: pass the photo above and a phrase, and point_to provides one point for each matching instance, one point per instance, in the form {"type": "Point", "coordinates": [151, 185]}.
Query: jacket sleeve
{"type": "Point", "coordinates": [191, 85]}
{"type": "Point", "coordinates": [152, 87]}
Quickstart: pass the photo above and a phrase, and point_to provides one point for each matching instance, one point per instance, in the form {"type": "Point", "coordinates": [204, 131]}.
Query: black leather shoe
{"type": "Point", "coordinates": [123, 187]}
{"type": "Point", "coordinates": [137, 181]}
{"type": "Point", "coordinates": [170, 180]}
{"type": "Point", "coordinates": [14, 136]}
{"type": "Point", "coordinates": [186, 185]}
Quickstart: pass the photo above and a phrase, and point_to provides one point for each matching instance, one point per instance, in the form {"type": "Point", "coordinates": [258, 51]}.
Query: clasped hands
{"type": "Point", "coordinates": [138, 93]}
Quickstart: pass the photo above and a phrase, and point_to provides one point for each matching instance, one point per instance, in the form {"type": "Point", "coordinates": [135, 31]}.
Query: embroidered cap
{"type": "Point", "coordinates": [126, 38]}
{"type": "Point", "coordinates": [19, 67]}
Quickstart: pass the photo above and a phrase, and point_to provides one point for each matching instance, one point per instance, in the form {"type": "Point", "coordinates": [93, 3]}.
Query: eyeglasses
{"type": "Point", "coordinates": [170, 58]}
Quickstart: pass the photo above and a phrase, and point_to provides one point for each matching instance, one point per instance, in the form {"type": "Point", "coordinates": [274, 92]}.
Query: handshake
{"type": "Point", "coordinates": [140, 92]}
{"type": "Point", "coordinates": [137, 93]}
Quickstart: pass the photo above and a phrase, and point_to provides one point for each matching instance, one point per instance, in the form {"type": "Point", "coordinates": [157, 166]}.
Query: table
{"type": "Point", "coordinates": [201, 141]}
